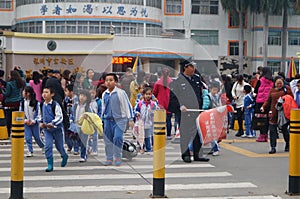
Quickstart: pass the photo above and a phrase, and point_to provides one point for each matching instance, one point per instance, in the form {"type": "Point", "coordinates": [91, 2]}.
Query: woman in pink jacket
{"type": "Point", "coordinates": [263, 86]}
{"type": "Point", "coordinates": [161, 91]}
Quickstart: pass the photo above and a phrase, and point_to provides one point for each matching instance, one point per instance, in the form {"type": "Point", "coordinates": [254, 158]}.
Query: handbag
{"type": "Point", "coordinates": [259, 121]}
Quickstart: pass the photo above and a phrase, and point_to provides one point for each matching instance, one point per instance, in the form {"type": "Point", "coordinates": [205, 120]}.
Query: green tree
{"type": "Point", "coordinates": [240, 7]}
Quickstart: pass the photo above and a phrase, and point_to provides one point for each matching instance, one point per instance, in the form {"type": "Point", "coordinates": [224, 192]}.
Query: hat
{"type": "Point", "coordinates": [56, 71]}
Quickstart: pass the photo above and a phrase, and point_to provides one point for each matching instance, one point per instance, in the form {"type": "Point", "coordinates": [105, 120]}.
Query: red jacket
{"type": "Point", "coordinates": [162, 93]}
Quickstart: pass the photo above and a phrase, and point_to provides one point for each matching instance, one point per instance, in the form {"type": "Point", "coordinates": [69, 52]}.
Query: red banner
{"type": "Point", "coordinates": [212, 124]}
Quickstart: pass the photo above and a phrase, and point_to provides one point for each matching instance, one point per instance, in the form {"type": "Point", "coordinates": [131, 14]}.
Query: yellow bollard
{"type": "Point", "coordinates": [294, 174]}
{"type": "Point", "coordinates": [3, 127]}
{"type": "Point", "coordinates": [159, 149]}
{"type": "Point", "coordinates": [17, 155]}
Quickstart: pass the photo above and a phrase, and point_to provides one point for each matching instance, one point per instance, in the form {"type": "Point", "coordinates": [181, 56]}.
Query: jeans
{"type": "Point", "coordinates": [214, 146]}
{"type": "Point", "coordinates": [83, 143]}
{"type": "Point", "coordinates": [148, 139]}
{"type": "Point", "coordinates": [58, 137]}
{"type": "Point", "coordinates": [34, 131]}
{"type": "Point", "coordinates": [113, 137]}
{"type": "Point", "coordinates": [93, 143]}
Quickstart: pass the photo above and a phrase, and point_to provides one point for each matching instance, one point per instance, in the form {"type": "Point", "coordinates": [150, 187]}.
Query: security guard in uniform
{"type": "Point", "coordinates": [186, 93]}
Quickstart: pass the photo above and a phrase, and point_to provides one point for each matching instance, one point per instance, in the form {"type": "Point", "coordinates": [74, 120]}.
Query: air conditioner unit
{"type": "Point", "coordinates": [2, 42]}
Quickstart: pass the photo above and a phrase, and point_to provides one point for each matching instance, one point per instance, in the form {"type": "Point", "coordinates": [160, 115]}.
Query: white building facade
{"type": "Point", "coordinates": [108, 35]}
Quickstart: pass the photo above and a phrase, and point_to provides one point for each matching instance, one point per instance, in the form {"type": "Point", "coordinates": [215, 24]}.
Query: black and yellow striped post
{"type": "Point", "coordinates": [17, 155]}
{"type": "Point", "coordinates": [159, 149]}
{"type": "Point", "coordinates": [294, 174]}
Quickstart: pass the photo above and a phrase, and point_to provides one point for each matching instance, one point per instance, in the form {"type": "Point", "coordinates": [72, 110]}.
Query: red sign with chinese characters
{"type": "Point", "coordinates": [212, 124]}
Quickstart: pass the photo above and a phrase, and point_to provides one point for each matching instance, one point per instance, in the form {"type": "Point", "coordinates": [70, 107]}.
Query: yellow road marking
{"type": "Point", "coordinates": [250, 153]}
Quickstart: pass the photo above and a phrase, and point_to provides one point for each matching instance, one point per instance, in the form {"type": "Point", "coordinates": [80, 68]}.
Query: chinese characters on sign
{"type": "Point", "coordinates": [122, 60]}
{"type": "Point", "coordinates": [55, 61]}
{"type": "Point", "coordinates": [92, 9]}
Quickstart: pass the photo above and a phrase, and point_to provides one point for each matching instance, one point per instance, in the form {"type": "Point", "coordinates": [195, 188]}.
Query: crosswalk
{"type": "Point", "coordinates": [133, 179]}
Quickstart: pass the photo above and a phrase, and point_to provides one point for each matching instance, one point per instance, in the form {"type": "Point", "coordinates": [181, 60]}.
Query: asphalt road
{"type": "Point", "coordinates": [244, 169]}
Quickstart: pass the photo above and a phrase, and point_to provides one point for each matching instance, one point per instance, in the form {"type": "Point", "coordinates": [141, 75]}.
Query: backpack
{"type": "Point", "coordinates": [288, 104]}
{"type": "Point", "coordinates": [66, 119]}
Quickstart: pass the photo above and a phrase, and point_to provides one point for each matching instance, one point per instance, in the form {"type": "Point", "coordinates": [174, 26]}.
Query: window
{"type": "Point", "coordinates": [71, 26]}
{"type": "Point", "coordinates": [6, 4]}
{"type": "Point", "coordinates": [233, 48]}
{"type": "Point", "coordinates": [82, 27]}
{"type": "Point", "coordinates": [105, 27]}
{"type": "Point", "coordinates": [50, 27]}
{"type": "Point", "coordinates": [174, 7]}
{"type": "Point", "coordinates": [206, 37]}
{"type": "Point", "coordinates": [294, 38]}
{"type": "Point", "coordinates": [234, 20]}
{"type": "Point", "coordinates": [275, 66]}
{"type": "Point", "coordinates": [274, 38]}
{"type": "Point", "coordinates": [94, 27]}
{"type": "Point", "coordinates": [154, 3]}
{"type": "Point", "coordinates": [60, 27]}
{"type": "Point", "coordinates": [207, 7]}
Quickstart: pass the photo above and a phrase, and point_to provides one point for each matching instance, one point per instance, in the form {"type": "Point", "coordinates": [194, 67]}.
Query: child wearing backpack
{"type": "Point", "coordinates": [53, 128]}
{"type": "Point", "coordinates": [144, 111]}
{"type": "Point", "coordinates": [249, 103]}
{"type": "Point", "coordinates": [71, 138]}
{"type": "Point", "coordinates": [32, 112]}
{"type": "Point", "coordinates": [93, 139]}
{"type": "Point", "coordinates": [82, 106]}
{"type": "Point", "coordinates": [116, 110]}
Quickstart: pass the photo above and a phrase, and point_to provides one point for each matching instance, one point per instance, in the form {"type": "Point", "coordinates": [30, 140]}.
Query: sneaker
{"type": "Point", "coordinates": [107, 163]}
{"type": "Point", "coordinates": [169, 137]}
{"type": "Point", "coordinates": [94, 153]}
{"type": "Point", "coordinates": [82, 160]}
{"type": "Point", "coordinates": [244, 136]}
{"type": "Point", "coordinates": [216, 153]}
{"type": "Point", "coordinates": [250, 136]}
{"type": "Point", "coordinates": [29, 154]}
{"type": "Point", "coordinates": [76, 153]}
{"type": "Point", "coordinates": [69, 150]}
{"type": "Point", "coordinates": [118, 162]}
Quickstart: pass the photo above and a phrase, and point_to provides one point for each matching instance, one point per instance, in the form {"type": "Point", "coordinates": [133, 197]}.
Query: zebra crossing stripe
{"type": "Point", "coordinates": [237, 197]}
{"type": "Point", "coordinates": [117, 176]}
{"type": "Point", "coordinates": [110, 188]}
{"type": "Point", "coordinates": [123, 167]}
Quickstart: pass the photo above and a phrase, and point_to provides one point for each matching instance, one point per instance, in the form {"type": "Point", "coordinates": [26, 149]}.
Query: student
{"type": "Point", "coordinates": [51, 123]}
{"type": "Point", "coordinates": [31, 108]}
{"type": "Point", "coordinates": [93, 140]}
{"type": "Point", "coordinates": [215, 99]}
{"type": "Point", "coordinates": [116, 110]}
{"type": "Point", "coordinates": [144, 111]}
{"type": "Point", "coordinates": [82, 106]}
{"type": "Point", "coordinates": [249, 103]}
{"type": "Point", "coordinates": [71, 138]}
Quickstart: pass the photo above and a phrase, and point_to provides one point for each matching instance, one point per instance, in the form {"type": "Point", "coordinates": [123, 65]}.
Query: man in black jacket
{"type": "Point", "coordinates": [186, 94]}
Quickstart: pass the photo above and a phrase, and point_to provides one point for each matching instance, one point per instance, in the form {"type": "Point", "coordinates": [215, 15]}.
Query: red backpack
{"type": "Point", "coordinates": [288, 104]}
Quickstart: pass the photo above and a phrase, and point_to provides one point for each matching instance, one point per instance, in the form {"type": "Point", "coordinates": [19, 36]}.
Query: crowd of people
{"type": "Point", "coordinates": [54, 102]}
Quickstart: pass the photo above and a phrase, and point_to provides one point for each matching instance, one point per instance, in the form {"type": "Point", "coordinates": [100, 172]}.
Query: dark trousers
{"type": "Point", "coordinates": [188, 132]}
{"type": "Point", "coordinates": [274, 134]}
{"type": "Point", "coordinates": [11, 106]}
{"type": "Point", "coordinates": [240, 115]}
